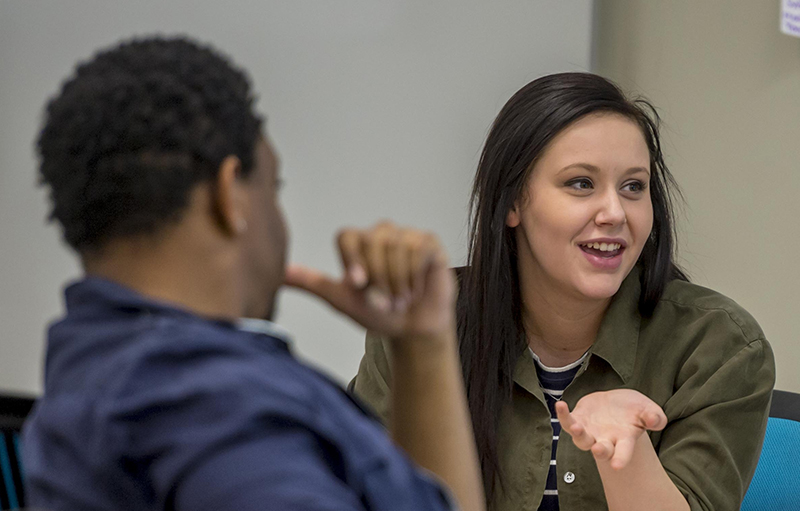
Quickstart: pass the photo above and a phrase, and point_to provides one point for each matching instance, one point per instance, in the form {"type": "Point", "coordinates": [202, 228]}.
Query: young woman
{"type": "Point", "coordinates": [572, 317]}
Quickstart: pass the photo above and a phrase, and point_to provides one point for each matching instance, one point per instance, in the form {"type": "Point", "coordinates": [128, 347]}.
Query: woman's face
{"type": "Point", "coordinates": [585, 213]}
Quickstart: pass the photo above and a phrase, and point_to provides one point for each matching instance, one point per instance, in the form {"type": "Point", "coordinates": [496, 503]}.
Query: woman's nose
{"type": "Point", "coordinates": [610, 210]}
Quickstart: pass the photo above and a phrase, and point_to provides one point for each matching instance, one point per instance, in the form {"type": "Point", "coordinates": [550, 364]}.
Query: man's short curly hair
{"type": "Point", "coordinates": [135, 130]}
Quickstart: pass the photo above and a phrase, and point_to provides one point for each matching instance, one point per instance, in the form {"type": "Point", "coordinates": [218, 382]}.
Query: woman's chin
{"type": "Point", "coordinates": [599, 287]}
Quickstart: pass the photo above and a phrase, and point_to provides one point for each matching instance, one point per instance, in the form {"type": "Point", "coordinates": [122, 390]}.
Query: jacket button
{"type": "Point", "coordinates": [569, 478]}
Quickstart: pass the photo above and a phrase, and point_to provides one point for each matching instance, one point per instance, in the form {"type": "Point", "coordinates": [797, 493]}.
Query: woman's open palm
{"type": "Point", "coordinates": [609, 423]}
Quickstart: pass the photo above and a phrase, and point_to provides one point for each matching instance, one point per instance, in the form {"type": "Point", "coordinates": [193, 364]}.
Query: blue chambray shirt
{"type": "Point", "coordinates": [150, 407]}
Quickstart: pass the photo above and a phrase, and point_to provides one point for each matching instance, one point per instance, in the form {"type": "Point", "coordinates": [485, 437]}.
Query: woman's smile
{"type": "Point", "coordinates": [603, 253]}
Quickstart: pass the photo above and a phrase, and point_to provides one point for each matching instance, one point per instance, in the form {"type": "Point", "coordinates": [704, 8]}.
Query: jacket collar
{"type": "Point", "coordinates": [95, 293]}
{"type": "Point", "coordinates": [618, 336]}
{"type": "Point", "coordinates": [616, 340]}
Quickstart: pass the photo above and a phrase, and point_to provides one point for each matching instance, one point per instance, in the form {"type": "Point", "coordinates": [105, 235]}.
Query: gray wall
{"type": "Point", "coordinates": [728, 85]}
{"type": "Point", "coordinates": [378, 109]}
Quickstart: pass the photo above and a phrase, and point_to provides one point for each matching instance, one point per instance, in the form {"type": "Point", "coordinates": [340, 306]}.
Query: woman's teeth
{"type": "Point", "coordinates": [603, 247]}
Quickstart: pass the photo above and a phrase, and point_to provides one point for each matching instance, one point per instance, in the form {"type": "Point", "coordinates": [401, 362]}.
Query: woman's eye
{"type": "Point", "coordinates": [580, 184]}
{"type": "Point", "coordinates": [634, 186]}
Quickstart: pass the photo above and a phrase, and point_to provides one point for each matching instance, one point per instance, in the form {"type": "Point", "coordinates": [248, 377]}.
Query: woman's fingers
{"type": "Point", "coordinates": [614, 421]}
{"type": "Point", "coordinates": [564, 416]}
{"type": "Point", "coordinates": [580, 437]}
{"type": "Point", "coordinates": [623, 452]}
{"type": "Point", "coordinates": [603, 449]}
{"type": "Point", "coordinates": [654, 420]}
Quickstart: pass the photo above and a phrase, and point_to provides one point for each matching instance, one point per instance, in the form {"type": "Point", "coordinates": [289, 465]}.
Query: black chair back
{"type": "Point", "coordinates": [785, 405]}
{"type": "Point", "coordinates": [13, 411]}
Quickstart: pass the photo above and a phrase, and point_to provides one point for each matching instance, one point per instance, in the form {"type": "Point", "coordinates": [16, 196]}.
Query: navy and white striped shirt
{"type": "Point", "coordinates": [554, 380]}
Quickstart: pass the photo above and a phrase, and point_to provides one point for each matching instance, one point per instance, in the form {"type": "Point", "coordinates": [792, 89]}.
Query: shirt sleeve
{"type": "Point", "coordinates": [218, 435]}
{"type": "Point", "coordinates": [371, 384]}
{"type": "Point", "coordinates": [710, 449]}
{"type": "Point", "coordinates": [285, 469]}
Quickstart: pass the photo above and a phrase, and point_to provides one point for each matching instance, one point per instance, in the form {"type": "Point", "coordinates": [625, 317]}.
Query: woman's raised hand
{"type": "Point", "coordinates": [610, 423]}
{"type": "Point", "coordinates": [397, 281]}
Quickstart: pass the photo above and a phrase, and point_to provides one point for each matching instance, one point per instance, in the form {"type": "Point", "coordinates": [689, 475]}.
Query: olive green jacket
{"type": "Point", "coordinates": [700, 356]}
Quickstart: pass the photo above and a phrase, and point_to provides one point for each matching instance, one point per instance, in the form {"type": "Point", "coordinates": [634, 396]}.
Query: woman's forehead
{"type": "Point", "coordinates": [603, 141]}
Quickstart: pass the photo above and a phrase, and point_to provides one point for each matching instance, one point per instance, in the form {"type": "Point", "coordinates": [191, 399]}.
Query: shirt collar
{"type": "Point", "coordinates": [265, 327]}
{"type": "Point", "coordinates": [618, 336]}
{"type": "Point", "coordinates": [563, 369]}
{"type": "Point", "coordinates": [91, 291]}
{"type": "Point", "coordinates": [616, 340]}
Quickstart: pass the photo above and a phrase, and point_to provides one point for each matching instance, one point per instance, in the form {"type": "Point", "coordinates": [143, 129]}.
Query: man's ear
{"type": "Point", "coordinates": [230, 201]}
{"type": "Point", "coordinates": [512, 219]}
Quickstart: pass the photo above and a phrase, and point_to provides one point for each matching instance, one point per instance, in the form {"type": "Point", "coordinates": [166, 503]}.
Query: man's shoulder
{"type": "Point", "coordinates": [173, 367]}
{"type": "Point", "coordinates": [210, 363]}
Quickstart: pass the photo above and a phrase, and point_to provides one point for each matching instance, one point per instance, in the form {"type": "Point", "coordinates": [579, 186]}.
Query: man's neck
{"type": "Point", "coordinates": [190, 278]}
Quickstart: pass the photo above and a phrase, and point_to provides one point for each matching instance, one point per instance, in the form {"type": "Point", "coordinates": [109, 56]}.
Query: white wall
{"type": "Point", "coordinates": [727, 82]}
{"type": "Point", "coordinates": [378, 109]}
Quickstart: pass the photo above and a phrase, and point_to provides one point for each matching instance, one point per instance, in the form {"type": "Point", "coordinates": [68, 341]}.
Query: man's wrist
{"type": "Point", "coordinates": [414, 348]}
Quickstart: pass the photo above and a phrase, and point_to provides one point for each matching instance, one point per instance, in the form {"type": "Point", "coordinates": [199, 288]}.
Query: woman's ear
{"type": "Point", "coordinates": [230, 198]}
{"type": "Point", "coordinates": [512, 219]}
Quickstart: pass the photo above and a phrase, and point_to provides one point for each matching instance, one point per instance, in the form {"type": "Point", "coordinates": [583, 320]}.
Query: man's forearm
{"type": "Point", "coordinates": [429, 415]}
{"type": "Point", "coordinates": [642, 484]}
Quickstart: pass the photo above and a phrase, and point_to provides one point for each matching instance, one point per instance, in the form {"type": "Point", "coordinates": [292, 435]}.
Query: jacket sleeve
{"type": "Point", "coordinates": [373, 381]}
{"type": "Point", "coordinates": [710, 449]}
{"type": "Point", "coordinates": [285, 468]}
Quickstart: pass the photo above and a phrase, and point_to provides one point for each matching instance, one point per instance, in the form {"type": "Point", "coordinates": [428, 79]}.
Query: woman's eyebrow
{"type": "Point", "coordinates": [595, 169]}
{"type": "Point", "coordinates": [585, 166]}
{"type": "Point", "coordinates": [636, 170]}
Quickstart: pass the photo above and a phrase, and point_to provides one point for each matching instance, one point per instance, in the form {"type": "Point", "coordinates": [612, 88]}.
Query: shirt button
{"type": "Point", "coordinates": [569, 478]}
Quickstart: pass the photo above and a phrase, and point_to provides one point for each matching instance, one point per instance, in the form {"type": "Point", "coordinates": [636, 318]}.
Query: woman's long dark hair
{"type": "Point", "coordinates": [489, 311]}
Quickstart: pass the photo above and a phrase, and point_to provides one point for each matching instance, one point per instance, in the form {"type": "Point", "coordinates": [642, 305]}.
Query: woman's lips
{"type": "Point", "coordinates": [603, 260]}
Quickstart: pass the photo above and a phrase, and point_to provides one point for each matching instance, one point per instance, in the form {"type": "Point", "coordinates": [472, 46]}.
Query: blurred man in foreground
{"type": "Point", "coordinates": [158, 394]}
